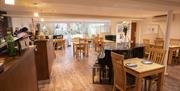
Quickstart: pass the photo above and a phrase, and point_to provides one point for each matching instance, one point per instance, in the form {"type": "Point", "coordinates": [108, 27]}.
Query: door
{"type": "Point", "coordinates": [133, 34]}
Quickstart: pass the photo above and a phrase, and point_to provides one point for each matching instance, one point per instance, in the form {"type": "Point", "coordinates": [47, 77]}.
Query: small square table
{"type": "Point", "coordinates": [143, 70]}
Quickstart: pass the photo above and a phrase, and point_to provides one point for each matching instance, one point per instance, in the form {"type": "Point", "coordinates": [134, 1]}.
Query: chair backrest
{"type": "Point", "coordinates": [59, 42]}
{"type": "Point", "coordinates": [157, 55]}
{"type": "Point", "coordinates": [174, 42]}
{"type": "Point", "coordinates": [119, 71]}
{"type": "Point", "coordinates": [146, 41]}
{"type": "Point", "coordinates": [81, 46]}
{"type": "Point", "coordinates": [76, 39]}
{"type": "Point", "coordinates": [82, 40]}
{"type": "Point", "coordinates": [95, 39]}
{"type": "Point", "coordinates": [58, 37]}
{"type": "Point", "coordinates": [159, 43]}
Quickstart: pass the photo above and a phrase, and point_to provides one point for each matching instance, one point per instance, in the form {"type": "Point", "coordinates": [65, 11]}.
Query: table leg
{"type": "Point", "coordinates": [74, 50]}
{"type": "Point", "coordinates": [170, 56]}
{"type": "Point", "coordinates": [179, 56]}
{"type": "Point", "coordinates": [87, 50]}
{"type": "Point", "coordinates": [160, 82]}
{"type": "Point", "coordinates": [139, 84]}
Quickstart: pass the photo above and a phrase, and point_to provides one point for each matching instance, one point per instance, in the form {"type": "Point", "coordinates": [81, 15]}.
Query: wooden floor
{"type": "Point", "coordinates": [71, 73]}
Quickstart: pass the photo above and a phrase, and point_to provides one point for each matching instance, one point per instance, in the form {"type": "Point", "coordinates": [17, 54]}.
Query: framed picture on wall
{"type": "Point", "coordinates": [152, 29]}
{"type": "Point", "coordinates": [119, 28]}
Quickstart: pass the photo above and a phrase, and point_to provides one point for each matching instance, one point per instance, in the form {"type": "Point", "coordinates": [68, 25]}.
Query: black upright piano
{"type": "Point", "coordinates": [128, 52]}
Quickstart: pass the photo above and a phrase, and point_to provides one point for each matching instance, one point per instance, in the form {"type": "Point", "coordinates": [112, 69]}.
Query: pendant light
{"type": "Point", "coordinates": [36, 14]}
{"type": "Point", "coordinates": [42, 19]}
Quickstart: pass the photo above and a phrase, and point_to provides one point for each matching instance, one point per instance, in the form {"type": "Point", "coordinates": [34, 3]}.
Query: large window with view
{"type": "Point", "coordinates": [80, 29]}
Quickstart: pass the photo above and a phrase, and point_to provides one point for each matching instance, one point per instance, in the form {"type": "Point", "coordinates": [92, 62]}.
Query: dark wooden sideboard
{"type": "Point", "coordinates": [44, 56]}
{"type": "Point", "coordinates": [19, 72]}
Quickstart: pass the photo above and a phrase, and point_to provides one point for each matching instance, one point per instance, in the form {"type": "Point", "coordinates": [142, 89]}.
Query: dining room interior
{"type": "Point", "coordinates": [89, 45]}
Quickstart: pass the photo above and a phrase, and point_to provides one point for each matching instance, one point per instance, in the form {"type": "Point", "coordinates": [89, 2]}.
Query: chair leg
{"type": "Point", "coordinates": [150, 85]}
{"type": "Point", "coordinates": [114, 88]}
{"type": "Point", "coordinates": [145, 85]}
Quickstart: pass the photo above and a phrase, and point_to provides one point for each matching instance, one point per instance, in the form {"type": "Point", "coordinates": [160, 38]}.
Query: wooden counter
{"type": "Point", "coordinates": [19, 72]}
{"type": "Point", "coordinates": [44, 57]}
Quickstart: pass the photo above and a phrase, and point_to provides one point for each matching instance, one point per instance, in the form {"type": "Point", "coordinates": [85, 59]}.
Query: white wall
{"type": "Point", "coordinates": [142, 28]}
{"type": "Point", "coordinates": [175, 29]}
{"type": "Point", "coordinates": [21, 22]}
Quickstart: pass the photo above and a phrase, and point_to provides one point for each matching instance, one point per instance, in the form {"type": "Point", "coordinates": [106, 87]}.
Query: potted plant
{"type": "Point", "coordinates": [10, 44]}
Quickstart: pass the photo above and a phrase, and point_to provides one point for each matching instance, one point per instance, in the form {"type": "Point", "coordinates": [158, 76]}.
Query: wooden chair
{"type": "Point", "coordinates": [175, 54]}
{"type": "Point", "coordinates": [157, 56]}
{"type": "Point", "coordinates": [95, 42]}
{"type": "Point", "coordinates": [81, 48]}
{"type": "Point", "coordinates": [159, 43]}
{"type": "Point", "coordinates": [83, 40]}
{"type": "Point", "coordinates": [99, 43]}
{"type": "Point", "coordinates": [146, 43]}
{"type": "Point", "coordinates": [120, 81]}
{"type": "Point", "coordinates": [59, 43]}
{"type": "Point", "coordinates": [175, 42]}
{"type": "Point", "coordinates": [76, 39]}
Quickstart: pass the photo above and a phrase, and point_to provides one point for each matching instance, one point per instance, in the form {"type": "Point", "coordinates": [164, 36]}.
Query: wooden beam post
{"type": "Point", "coordinates": [167, 37]}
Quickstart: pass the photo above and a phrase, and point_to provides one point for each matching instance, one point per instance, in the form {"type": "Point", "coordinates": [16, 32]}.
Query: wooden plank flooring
{"type": "Point", "coordinates": [71, 73]}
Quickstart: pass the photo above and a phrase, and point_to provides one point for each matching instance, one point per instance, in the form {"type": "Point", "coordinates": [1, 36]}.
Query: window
{"type": "Point", "coordinates": [81, 28]}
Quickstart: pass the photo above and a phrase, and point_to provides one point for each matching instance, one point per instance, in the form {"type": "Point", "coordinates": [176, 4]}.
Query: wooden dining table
{"type": "Point", "coordinates": [171, 50]}
{"type": "Point", "coordinates": [143, 70]}
{"type": "Point", "coordinates": [75, 44]}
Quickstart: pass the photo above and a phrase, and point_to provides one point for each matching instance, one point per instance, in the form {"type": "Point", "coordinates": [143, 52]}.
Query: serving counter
{"type": "Point", "coordinates": [19, 72]}
{"type": "Point", "coordinates": [44, 56]}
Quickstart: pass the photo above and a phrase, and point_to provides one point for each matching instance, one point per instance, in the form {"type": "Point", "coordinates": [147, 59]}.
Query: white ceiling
{"type": "Point", "coordinates": [95, 8]}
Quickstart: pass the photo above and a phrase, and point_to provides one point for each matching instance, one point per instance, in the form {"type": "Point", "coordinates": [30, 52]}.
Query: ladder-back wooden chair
{"type": "Point", "coordinates": [99, 43]}
{"type": "Point", "coordinates": [120, 80]}
{"type": "Point", "coordinates": [175, 53]}
{"type": "Point", "coordinates": [60, 43]}
{"type": "Point", "coordinates": [175, 42]}
{"type": "Point", "coordinates": [81, 48]}
{"type": "Point", "coordinates": [146, 43]}
{"type": "Point", "coordinates": [159, 43]}
{"type": "Point", "coordinates": [157, 56]}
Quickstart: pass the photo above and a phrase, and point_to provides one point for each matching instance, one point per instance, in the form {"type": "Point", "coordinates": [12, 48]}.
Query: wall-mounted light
{"type": "Point", "coordinates": [36, 14]}
{"type": "Point", "coordinates": [10, 2]}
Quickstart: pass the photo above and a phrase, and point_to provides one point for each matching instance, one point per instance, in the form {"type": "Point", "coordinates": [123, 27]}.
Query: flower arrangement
{"type": "Point", "coordinates": [125, 29]}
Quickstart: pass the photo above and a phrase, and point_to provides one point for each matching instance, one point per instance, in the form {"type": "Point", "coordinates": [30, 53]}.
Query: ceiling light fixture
{"type": "Point", "coordinates": [42, 19]}
{"type": "Point", "coordinates": [36, 14]}
{"type": "Point", "coordinates": [10, 2]}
